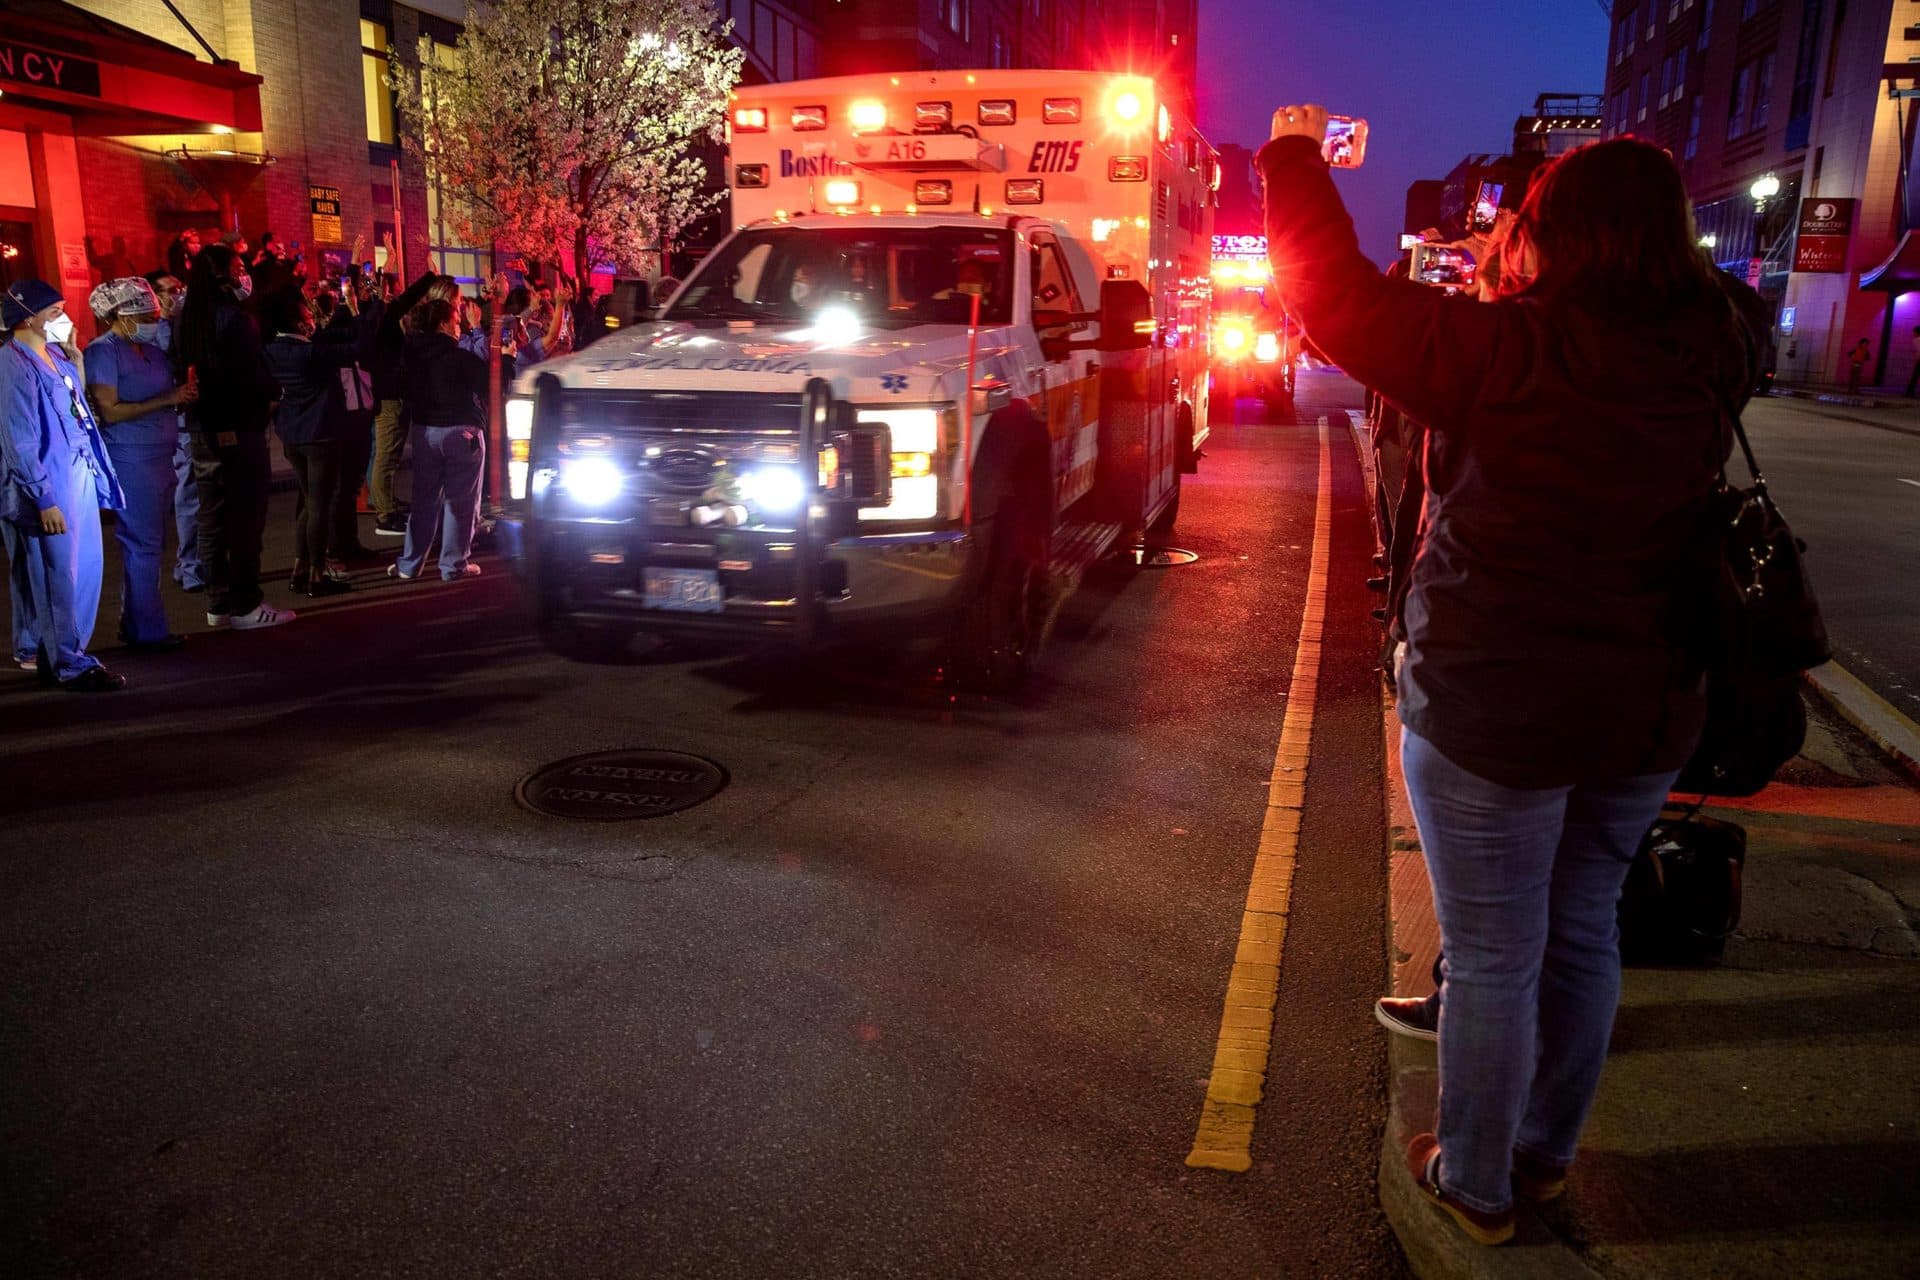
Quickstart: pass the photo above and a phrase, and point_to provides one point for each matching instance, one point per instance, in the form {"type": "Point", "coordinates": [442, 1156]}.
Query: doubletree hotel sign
{"type": "Point", "coordinates": [25, 65]}
{"type": "Point", "coordinates": [1821, 244]}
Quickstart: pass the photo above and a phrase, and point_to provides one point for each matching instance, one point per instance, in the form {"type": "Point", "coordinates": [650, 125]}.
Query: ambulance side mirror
{"type": "Point", "coordinates": [1126, 316]}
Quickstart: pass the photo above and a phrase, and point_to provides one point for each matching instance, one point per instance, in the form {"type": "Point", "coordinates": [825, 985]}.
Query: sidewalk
{"type": "Point", "coordinates": [1760, 1118]}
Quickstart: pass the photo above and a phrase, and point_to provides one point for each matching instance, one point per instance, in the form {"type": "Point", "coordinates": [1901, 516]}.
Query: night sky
{"type": "Point", "coordinates": [1435, 82]}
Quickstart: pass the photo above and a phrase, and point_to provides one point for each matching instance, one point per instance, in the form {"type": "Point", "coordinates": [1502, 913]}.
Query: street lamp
{"type": "Point", "coordinates": [1764, 188]}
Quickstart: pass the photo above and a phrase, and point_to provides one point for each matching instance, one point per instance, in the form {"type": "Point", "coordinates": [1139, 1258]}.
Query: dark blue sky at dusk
{"type": "Point", "coordinates": [1434, 82]}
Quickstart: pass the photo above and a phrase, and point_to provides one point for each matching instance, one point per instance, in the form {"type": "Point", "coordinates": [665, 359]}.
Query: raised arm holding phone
{"type": "Point", "coordinates": [1553, 681]}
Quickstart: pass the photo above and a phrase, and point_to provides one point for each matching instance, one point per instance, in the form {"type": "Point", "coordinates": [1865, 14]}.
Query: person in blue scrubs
{"type": "Point", "coordinates": [54, 478]}
{"type": "Point", "coordinates": [172, 296]}
{"type": "Point", "coordinates": [136, 402]}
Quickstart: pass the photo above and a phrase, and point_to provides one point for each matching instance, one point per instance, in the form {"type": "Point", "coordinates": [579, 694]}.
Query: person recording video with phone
{"type": "Point", "coordinates": [1553, 679]}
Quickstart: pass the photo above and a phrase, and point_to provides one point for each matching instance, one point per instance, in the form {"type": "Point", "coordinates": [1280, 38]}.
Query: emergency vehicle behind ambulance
{"type": "Point", "coordinates": [954, 349]}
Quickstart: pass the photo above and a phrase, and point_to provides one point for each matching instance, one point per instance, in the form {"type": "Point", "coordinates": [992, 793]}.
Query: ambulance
{"type": "Point", "coordinates": [1254, 346]}
{"type": "Point", "coordinates": [954, 350]}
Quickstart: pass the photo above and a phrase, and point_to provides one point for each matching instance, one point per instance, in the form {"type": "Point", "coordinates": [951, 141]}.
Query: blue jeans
{"type": "Point", "coordinates": [447, 467]}
{"type": "Point", "coordinates": [146, 474]}
{"type": "Point", "coordinates": [1527, 886]}
{"type": "Point", "coordinates": [186, 517]}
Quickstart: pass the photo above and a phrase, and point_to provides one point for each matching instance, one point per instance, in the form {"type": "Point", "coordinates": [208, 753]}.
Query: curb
{"type": "Point", "coordinates": [1827, 397]}
{"type": "Point", "coordinates": [1870, 713]}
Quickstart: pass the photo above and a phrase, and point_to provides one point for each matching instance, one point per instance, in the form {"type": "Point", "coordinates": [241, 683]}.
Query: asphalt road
{"type": "Point", "coordinates": [1848, 481]}
{"type": "Point", "coordinates": [295, 988]}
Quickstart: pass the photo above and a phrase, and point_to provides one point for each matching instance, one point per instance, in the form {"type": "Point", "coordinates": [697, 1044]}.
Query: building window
{"type": "Point", "coordinates": [1646, 91]}
{"type": "Point", "coordinates": [1666, 81]}
{"type": "Point", "coordinates": [1692, 148]}
{"type": "Point", "coordinates": [373, 78]}
{"type": "Point", "coordinates": [1706, 25]}
{"type": "Point", "coordinates": [1633, 30]}
{"type": "Point", "coordinates": [1617, 112]}
{"type": "Point", "coordinates": [1819, 163]}
{"type": "Point", "coordinates": [1762, 93]}
{"type": "Point", "coordinates": [960, 18]}
{"type": "Point", "coordinates": [1737, 103]}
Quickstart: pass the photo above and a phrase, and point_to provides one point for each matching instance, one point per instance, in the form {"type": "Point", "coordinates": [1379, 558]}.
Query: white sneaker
{"type": "Point", "coordinates": [467, 570]}
{"type": "Point", "coordinates": [218, 619]}
{"type": "Point", "coordinates": [393, 571]}
{"type": "Point", "coordinates": [263, 615]}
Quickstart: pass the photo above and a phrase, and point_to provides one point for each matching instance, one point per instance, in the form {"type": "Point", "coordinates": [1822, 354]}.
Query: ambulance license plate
{"type": "Point", "coordinates": [684, 590]}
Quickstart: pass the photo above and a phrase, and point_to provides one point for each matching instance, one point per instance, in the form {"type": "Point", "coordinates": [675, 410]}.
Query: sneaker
{"type": "Point", "coordinates": [1423, 1162]}
{"type": "Point", "coordinates": [263, 615]}
{"type": "Point", "coordinates": [1417, 1018]}
{"type": "Point", "coordinates": [393, 571]}
{"type": "Point", "coordinates": [1537, 1180]}
{"type": "Point", "coordinates": [336, 572]}
{"type": "Point", "coordinates": [94, 680]}
{"type": "Point", "coordinates": [467, 570]}
{"type": "Point", "coordinates": [217, 620]}
{"type": "Point", "coordinates": [391, 526]}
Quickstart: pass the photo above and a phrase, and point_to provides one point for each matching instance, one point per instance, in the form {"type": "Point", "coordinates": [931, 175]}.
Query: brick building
{"type": "Point", "coordinates": [1815, 94]}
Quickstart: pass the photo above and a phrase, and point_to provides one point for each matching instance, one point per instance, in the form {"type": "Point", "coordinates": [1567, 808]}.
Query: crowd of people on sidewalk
{"type": "Point", "coordinates": [165, 416]}
{"type": "Point", "coordinates": [1553, 438]}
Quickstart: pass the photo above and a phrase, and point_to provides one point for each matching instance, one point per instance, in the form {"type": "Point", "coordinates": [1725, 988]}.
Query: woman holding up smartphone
{"type": "Point", "coordinates": [1556, 640]}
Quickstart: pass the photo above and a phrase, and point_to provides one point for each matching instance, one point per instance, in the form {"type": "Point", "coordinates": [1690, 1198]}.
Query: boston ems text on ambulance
{"type": "Point", "coordinates": [954, 349]}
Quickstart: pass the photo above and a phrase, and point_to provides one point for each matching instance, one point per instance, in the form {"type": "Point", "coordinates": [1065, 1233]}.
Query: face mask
{"type": "Point", "coordinates": [147, 334]}
{"type": "Point", "coordinates": [242, 290]}
{"type": "Point", "coordinates": [60, 328]}
{"type": "Point", "coordinates": [179, 305]}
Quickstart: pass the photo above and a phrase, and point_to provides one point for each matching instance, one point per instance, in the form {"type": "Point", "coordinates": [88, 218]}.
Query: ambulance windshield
{"type": "Point", "coordinates": [890, 277]}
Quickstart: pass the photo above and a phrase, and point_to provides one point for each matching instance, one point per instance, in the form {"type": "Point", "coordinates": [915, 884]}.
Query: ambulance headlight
{"type": "Point", "coordinates": [592, 482]}
{"type": "Point", "coordinates": [921, 441]}
{"type": "Point", "coordinates": [774, 489]}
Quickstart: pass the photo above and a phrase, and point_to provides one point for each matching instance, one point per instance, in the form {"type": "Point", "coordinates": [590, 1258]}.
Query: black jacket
{"type": "Point", "coordinates": [1555, 622]}
{"type": "Point", "coordinates": [236, 391]}
{"type": "Point", "coordinates": [312, 400]}
{"type": "Point", "coordinates": [445, 385]}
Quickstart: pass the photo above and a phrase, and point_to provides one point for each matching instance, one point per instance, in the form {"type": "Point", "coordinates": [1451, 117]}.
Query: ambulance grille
{"type": "Point", "coordinates": [693, 413]}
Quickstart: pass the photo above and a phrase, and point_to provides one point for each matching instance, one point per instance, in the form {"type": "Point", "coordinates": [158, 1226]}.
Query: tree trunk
{"type": "Point", "coordinates": [582, 268]}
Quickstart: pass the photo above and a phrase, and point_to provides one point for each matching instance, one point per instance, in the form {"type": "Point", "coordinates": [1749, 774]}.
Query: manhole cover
{"type": "Point", "coordinates": [1163, 557]}
{"type": "Point", "coordinates": [606, 786]}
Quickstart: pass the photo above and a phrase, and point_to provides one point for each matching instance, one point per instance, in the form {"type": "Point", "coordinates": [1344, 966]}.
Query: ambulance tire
{"type": "Point", "coordinates": [1162, 525]}
{"type": "Point", "coordinates": [998, 634]}
{"type": "Point", "coordinates": [578, 641]}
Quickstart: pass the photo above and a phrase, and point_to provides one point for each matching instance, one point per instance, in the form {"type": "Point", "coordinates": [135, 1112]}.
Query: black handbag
{"type": "Point", "coordinates": [1766, 630]}
{"type": "Point", "coordinates": [1681, 900]}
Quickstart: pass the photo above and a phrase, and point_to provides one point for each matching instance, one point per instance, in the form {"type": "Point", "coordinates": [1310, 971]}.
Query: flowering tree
{"type": "Point", "coordinates": [573, 123]}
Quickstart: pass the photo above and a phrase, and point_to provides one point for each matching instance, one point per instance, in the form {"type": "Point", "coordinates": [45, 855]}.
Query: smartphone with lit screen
{"type": "Point", "coordinates": [1442, 266]}
{"type": "Point", "coordinates": [1410, 239]}
{"type": "Point", "coordinates": [1346, 142]}
{"type": "Point", "coordinates": [1486, 208]}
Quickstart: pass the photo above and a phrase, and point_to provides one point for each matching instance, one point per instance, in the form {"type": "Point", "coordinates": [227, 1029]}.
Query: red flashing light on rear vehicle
{"type": "Point", "coordinates": [867, 116]}
{"type": "Point", "coordinates": [933, 191]}
{"type": "Point", "coordinates": [1025, 190]}
{"type": "Point", "coordinates": [809, 119]}
{"type": "Point", "coordinates": [750, 119]}
{"type": "Point", "coordinates": [1060, 111]}
{"type": "Point", "coordinates": [932, 117]}
{"type": "Point", "coordinates": [998, 111]}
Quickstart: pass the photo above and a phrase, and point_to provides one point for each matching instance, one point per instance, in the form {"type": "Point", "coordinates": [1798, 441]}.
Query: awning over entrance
{"type": "Point", "coordinates": [113, 80]}
{"type": "Point", "coordinates": [1900, 273]}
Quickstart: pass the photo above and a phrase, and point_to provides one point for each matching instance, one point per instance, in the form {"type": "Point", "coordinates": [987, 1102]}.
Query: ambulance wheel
{"type": "Point", "coordinates": [579, 641]}
{"type": "Point", "coordinates": [997, 636]}
{"type": "Point", "coordinates": [1162, 525]}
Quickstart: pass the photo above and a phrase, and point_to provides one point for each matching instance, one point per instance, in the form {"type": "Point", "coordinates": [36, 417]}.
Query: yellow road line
{"type": "Point", "coordinates": [1225, 1136]}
